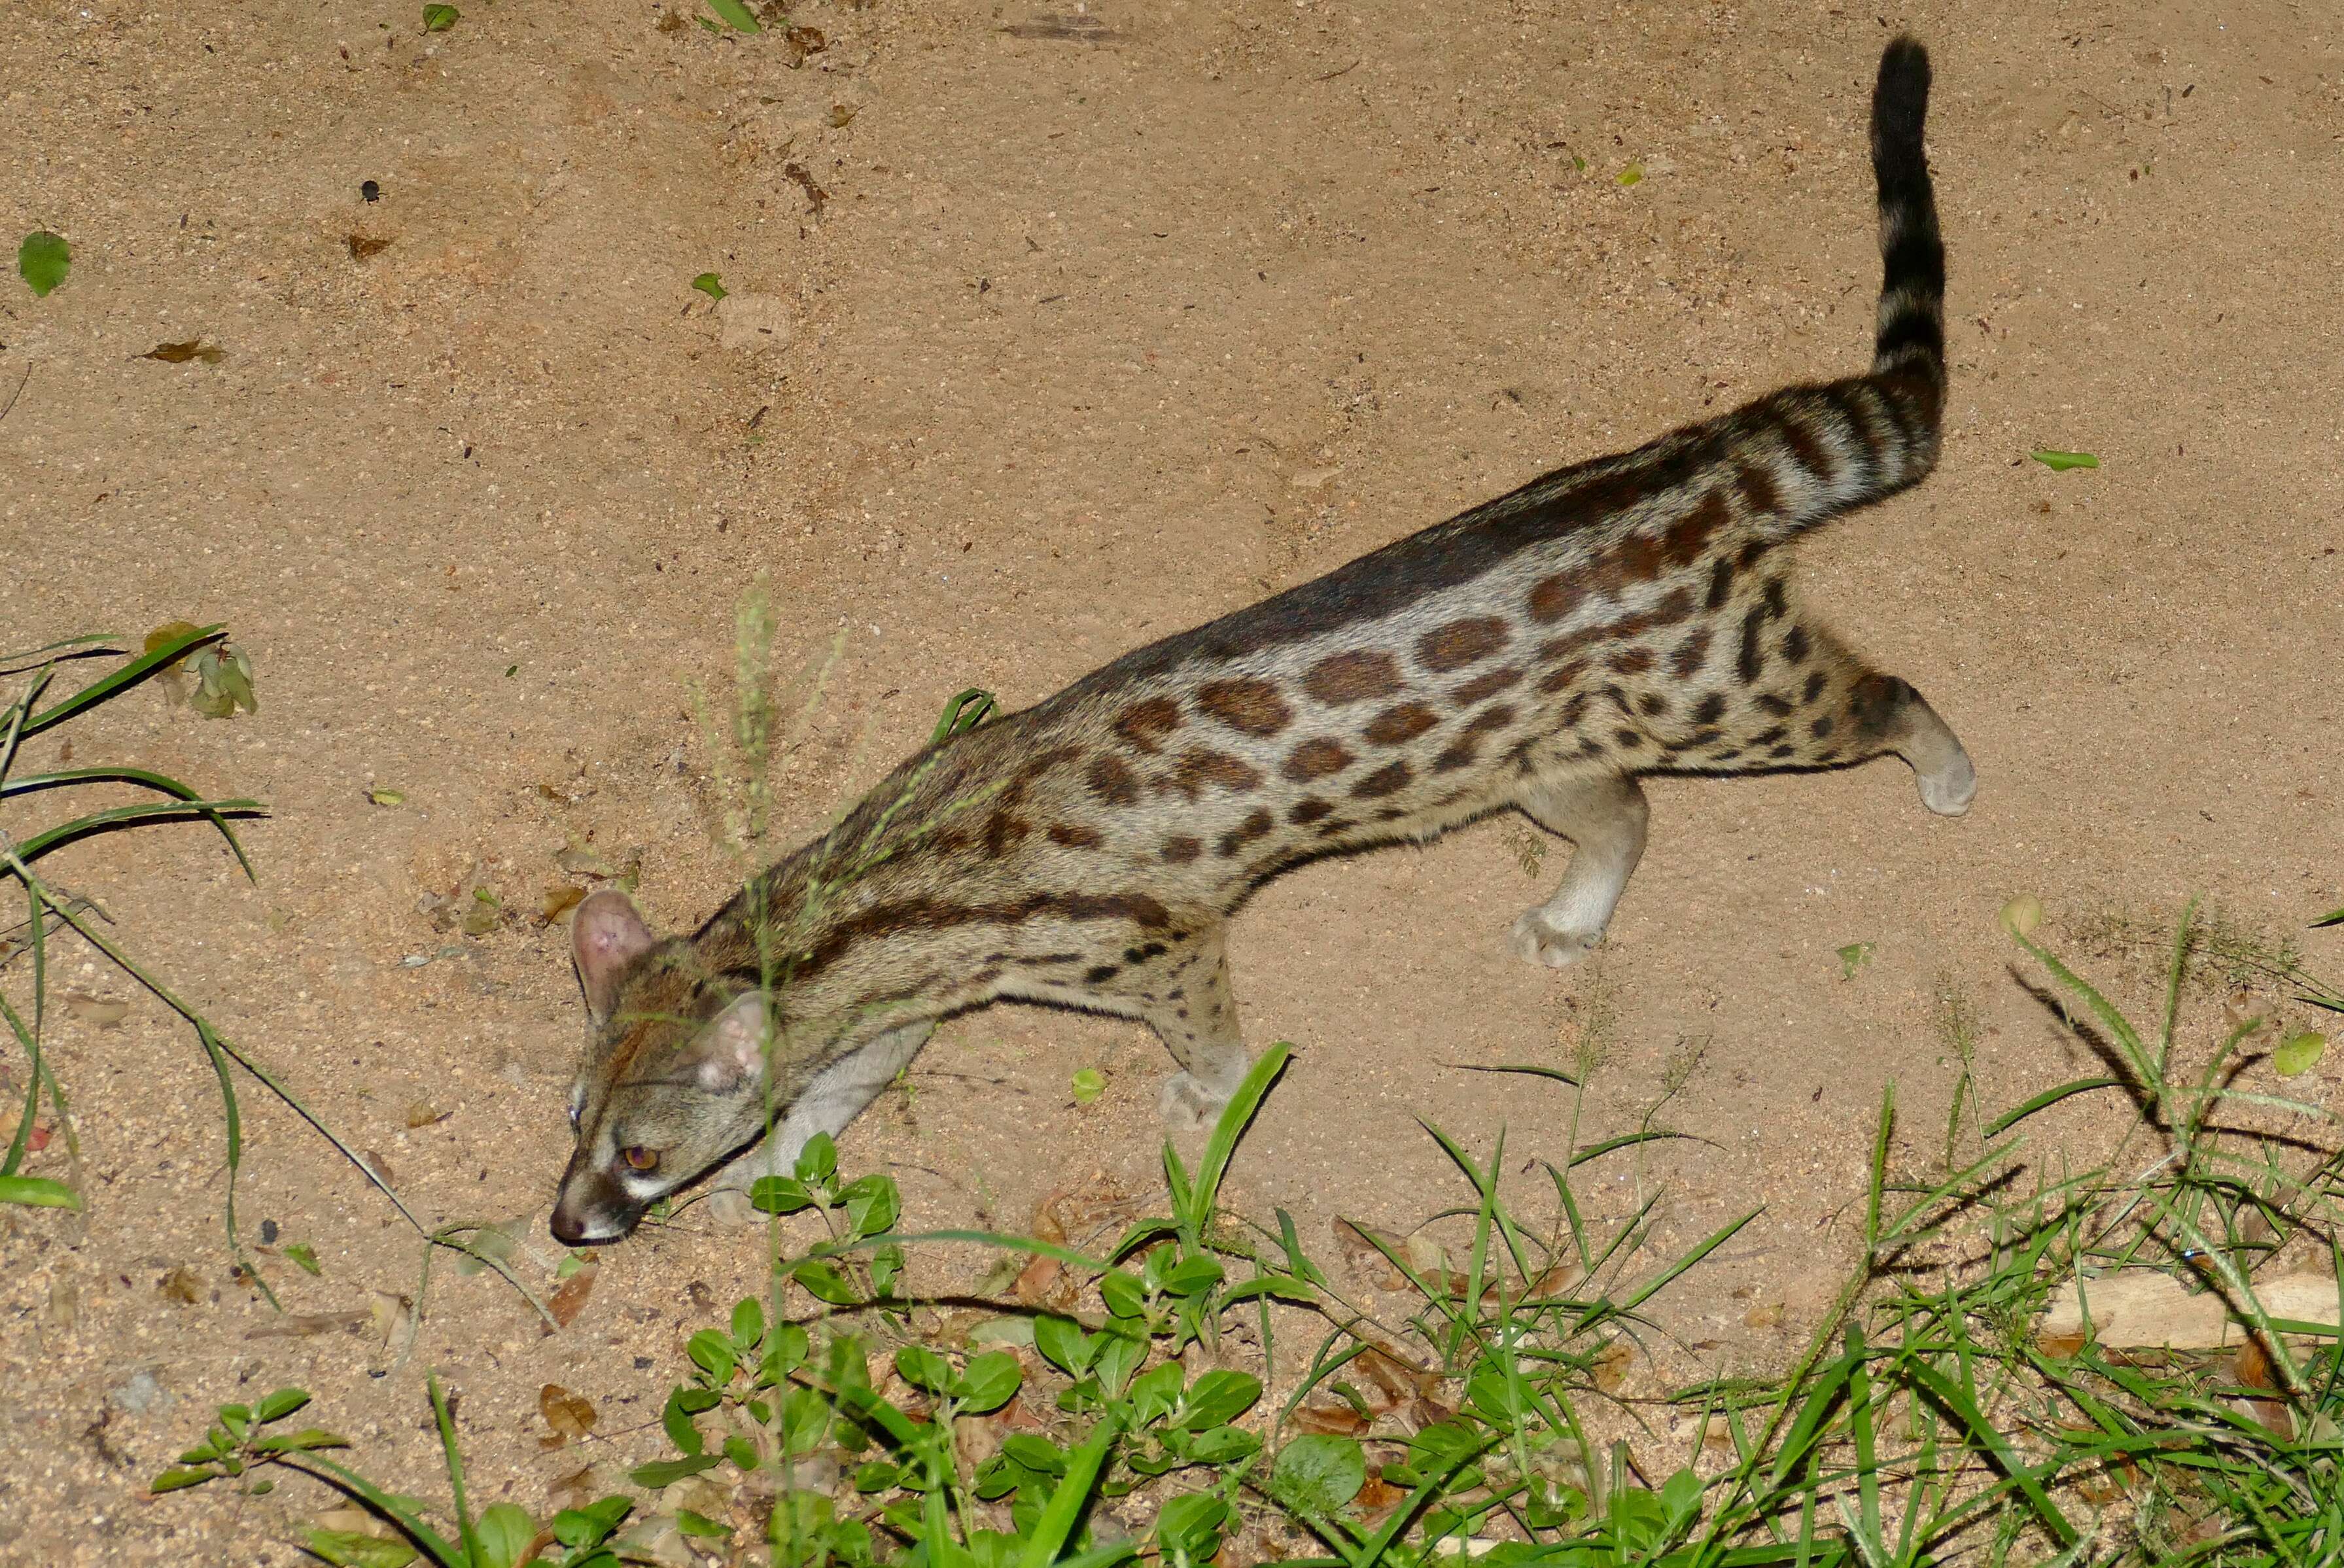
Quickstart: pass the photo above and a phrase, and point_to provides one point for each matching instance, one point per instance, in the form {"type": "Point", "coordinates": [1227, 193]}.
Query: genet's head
{"type": "Point", "coordinates": [674, 1077]}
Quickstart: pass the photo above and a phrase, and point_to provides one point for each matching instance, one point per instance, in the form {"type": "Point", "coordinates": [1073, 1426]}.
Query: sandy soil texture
{"type": "Point", "coordinates": [1052, 329]}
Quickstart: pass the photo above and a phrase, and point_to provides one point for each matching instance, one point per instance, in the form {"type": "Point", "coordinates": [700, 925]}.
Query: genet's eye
{"type": "Point", "coordinates": [638, 1158]}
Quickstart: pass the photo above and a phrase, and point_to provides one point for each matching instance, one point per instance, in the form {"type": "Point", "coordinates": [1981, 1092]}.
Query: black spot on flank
{"type": "Point", "coordinates": [1176, 993]}
{"type": "Point", "coordinates": [1703, 737]}
{"type": "Point", "coordinates": [1778, 706]}
{"type": "Point", "coordinates": [1459, 755]}
{"type": "Point", "coordinates": [1589, 747]}
{"type": "Point", "coordinates": [1142, 953]}
{"type": "Point", "coordinates": [1573, 711]}
{"type": "Point", "coordinates": [1795, 646]}
{"type": "Point", "coordinates": [1821, 727]}
{"type": "Point", "coordinates": [1726, 753]}
{"type": "Point", "coordinates": [1813, 688]}
{"type": "Point", "coordinates": [1720, 584]}
{"type": "Point", "coordinates": [1753, 662]}
{"type": "Point", "coordinates": [1309, 810]}
{"type": "Point", "coordinates": [1776, 605]}
{"type": "Point", "coordinates": [1710, 709]}
{"type": "Point", "coordinates": [1783, 751]}
{"type": "Point", "coordinates": [1180, 849]}
{"type": "Point", "coordinates": [1652, 704]}
{"type": "Point", "coordinates": [1627, 739]}
{"type": "Point", "coordinates": [1384, 781]}
{"type": "Point", "coordinates": [1769, 735]}
{"type": "Point", "coordinates": [1100, 974]}
{"type": "Point", "coordinates": [1257, 822]}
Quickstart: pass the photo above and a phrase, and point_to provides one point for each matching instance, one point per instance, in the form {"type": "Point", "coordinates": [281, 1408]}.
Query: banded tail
{"type": "Point", "coordinates": [1833, 448]}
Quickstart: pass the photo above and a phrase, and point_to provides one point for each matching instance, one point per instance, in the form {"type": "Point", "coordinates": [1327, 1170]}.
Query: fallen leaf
{"type": "Point", "coordinates": [1332, 1420]}
{"type": "Point", "coordinates": [386, 796]}
{"type": "Point", "coordinates": [2252, 1367]}
{"type": "Point", "coordinates": [91, 1010]}
{"type": "Point", "coordinates": [560, 898]}
{"type": "Point", "coordinates": [1378, 1496]}
{"type": "Point", "coordinates": [1764, 1316]}
{"type": "Point", "coordinates": [393, 1316]}
{"type": "Point", "coordinates": [570, 1416]}
{"type": "Point", "coordinates": [842, 114]}
{"type": "Point", "coordinates": [423, 1113]}
{"type": "Point", "coordinates": [180, 1285]}
{"type": "Point", "coordinates": [1364, 1259]}
{"type": "Point", "coordinates": [180, 353]}
{"type": "Point", "coordinates": [569, 1298]}
{"type": "Point", "coordinates": [380, 1167]}
{"type": "Point", "coordinates": [1397, 1381]}
{"type": "Point", "coordinates": [1036, 1279]}
{"type": "Point", "coordinates": [304, 1325]}
{"type": "Point", "coordinates": [1610, 1368]}
{"type": "Point", "coordinates": [800, 43]}
{"type": "Point", "coordinates": [65, 1306]}
{"type": "Point", "coordinates": [363, 247]}
{"type": "Point", "coordinates": [575, 1490]}
{"type": "Point", "coordinates": [2060, 462]}
{"type": "Point", "coordinates": [702, 1298]}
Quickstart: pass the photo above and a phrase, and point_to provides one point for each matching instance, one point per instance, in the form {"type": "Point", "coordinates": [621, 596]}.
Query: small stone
{"type": "Point", "coordinates": [140, 1392]}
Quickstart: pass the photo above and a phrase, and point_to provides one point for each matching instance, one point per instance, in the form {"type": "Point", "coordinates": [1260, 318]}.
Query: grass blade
{"type": "Point", "coordinates": [125, 678]}
{"type": "Point", "coordinates": [1056, 1525]}
{"type": "Point", "coordinates": [38, 1192]}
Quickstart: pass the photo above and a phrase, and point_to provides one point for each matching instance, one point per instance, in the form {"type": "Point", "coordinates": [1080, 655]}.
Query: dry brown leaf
{"type": "Point", "coordinates": [799, 44]}
{"type": "Point", "coordinates": [2252, 1367]}
{"type": "Point", "coordinates": [180, 353]}
{"type": "Point", "coordinates": [1377, 1497]}
{"type": "Point", "coordinates": [94, 1011]}
{"type": "Point", "coordinates": [1036, 1281]}
{"type": "Point", "coordinates": [65, 1306]}
{"type": "Point", "coordinates": [1425, 1412]}
{"type": "Point", "coordinates": [423, 1113]}
{"type": "Point", "coordinates": [1425, 1255]}
{"type": "Point", "coordinates": [569, 1298]}
{"type": "Point", "coordinates": [2060, 1347]}
{"type": "Point", "coordinates": [363, 247]}
{"type": "Point", "coordinates": [560, 898]}
{"type": "Point", "coordinates": [1334, 1421]}
{"type": "Point", "coordinates": [1556, 1282]}
{"type": "Point", "coordinates": [569, 1415]}
{"type": "Point", "coordinates": [394, 1316]}
{"type": "Point", "coordinates": [1363, 1258]}
{"type": "Point", "coordinates": [1394, 1380]}
{"type": "Point", "coordinates": [976, 1438]}
{"type": "Point", "coordinates": [1764, 1316]}
{"type": "Point", "coordinates": [842, 114]}
{"type": "Point", "coordinates": [180, 1285]}
{"type": "Point", "coordinates": [380, 1167]}
{"type": "Point", "coordinates": [303, 1325]}
{"type": "Point", "coordinates": [700, 1295]}
{"type": "Point", "coordinates": [575, 1490]}
{"type": "Point", "coordinates": [1610, 1368]}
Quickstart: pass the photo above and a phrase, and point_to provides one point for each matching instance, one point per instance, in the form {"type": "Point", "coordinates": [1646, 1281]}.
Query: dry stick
{"type": "Point", "coordinates": [19, 392]}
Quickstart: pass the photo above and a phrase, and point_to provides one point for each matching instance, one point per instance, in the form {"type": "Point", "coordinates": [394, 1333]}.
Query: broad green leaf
{"type": "Point", "coordinates": [818, 1160]}
{"type": "Point", "coordinates": [43, 260]}
{"type": "Point", "coordinates": [1190, 1526]}
{"type": "Point", "coordinates": [1089, 1083]}
{"type": "Point", "coordinates": [1154, 1394]}
{"type": "Point", "coordinates": [2060, 462]}
{"type": "Point", "coordinates": [504, 1533]}
{"type": "Point", "coordinates": [440, 18]}
{"type": "Point", "coordinates": [592, 1524]}
{"type": "Point", "coordinates": [303, 1256]}
{"type": "Point", "coordinates": [1220, 1396]}
{"type": "Point", "coordinates": [1223, 1445]}
{"type": "Point", "coordinates": [748, 1324]}
{"type": "Point", "coordinates": [708, 283]}
{"type": "Point", "coordinates": [741, 1452]}
{"type": "Point", "coordinates": [37, 1192]}
{"type": "Point", "coordinates": [680, 1430]}
{"type": "Point", "coordinates": [2298, 1052]}
{"type": "Point", "coordinates": [173, 1480]}
{"type": "Point", "coordinates": [1064, 1344]}
{"type": "Point", "coordinates": [667, 1471]}
{"type": "Point", "coordinates": [1124, 1295]}
{"type": "Point", "coordinates": [779, 1195]}
{"type": "Point", "coordinates": [1632, 175]}
{"type": "Point", "coordinates": [711, 1352]}
{"type": "Point", "coordinates": [737, 17]}
{"type": "Point", "coordinates": [349, 1549]}
{"type": "Point", "coordinates": [691, 1524]}
{"type": "Point", "coordinates": [924, 1369]}
{"type": "Point", "coordinates": [302, 1442]}
{"type": "Point", "coordinates": [989, 1382]}
{"type": "Point", "coordinates": [1319, 1473]}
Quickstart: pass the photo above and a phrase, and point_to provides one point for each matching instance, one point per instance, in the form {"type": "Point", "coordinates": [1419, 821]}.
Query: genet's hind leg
{"type": "Point", "coordinates": [1603, 815]}
{"type": "Point", "coordinates": [1889, 715]}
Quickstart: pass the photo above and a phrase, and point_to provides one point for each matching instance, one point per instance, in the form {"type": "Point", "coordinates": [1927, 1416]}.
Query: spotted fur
{"type": "Point", "coordinates": [1622, 616]}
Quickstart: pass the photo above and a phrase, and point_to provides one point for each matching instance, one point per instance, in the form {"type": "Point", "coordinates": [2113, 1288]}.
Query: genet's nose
{"type": "Point", "coordinates": [567, 1228]}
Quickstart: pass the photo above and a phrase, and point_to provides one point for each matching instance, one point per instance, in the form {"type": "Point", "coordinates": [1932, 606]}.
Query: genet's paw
{"type": "Point", "coordinates": [1539, 938]}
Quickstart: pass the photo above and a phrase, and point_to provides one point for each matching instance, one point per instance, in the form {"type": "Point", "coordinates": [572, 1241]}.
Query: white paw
{"type": "Point", "coordinates": [1188, 1105]}
{"type": "Point", "coordinates": [731, 1208]}
{"type": "Point", "coordinates": [1948, 791]}
{"type": "Point", "coordinates": [1541, 940]}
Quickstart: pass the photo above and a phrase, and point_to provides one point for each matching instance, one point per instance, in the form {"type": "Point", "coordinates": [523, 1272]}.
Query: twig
{"type": "Point", "coordinates": [19, 392]}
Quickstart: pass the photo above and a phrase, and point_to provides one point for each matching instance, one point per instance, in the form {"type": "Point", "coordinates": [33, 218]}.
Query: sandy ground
{"type": "Point", "coordinates": [1104, 322]}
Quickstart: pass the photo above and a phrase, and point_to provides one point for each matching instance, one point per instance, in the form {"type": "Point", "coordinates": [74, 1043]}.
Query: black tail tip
{"type": "Point", "coordinates": [1900, 102]}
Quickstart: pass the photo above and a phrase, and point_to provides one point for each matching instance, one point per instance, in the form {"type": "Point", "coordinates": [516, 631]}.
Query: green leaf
{"type": "Point", "coordinates": [741, 1452]}
{"type": "Point", "coordinates": [872, 1203]}
{"type": "Point", "coordinates": [1190, 1526]}
{"type": "Point", "coordinates": [305, 1256]}
{"type": "Point", "coordinates": [1089, 1083]}
{"type": "Point", "coordinates": [2334, 917]}
{"type": "Point", "coordinates": [440, 18]}
{"type": "Point", "coordinates": [302, 1442]}
{"type": "Point", "coordinates": [1852, 957]}
{"type": "Point", "coordinates": [737, 17]}
{"type": "Point", "coordinates": [989, 1382]}
{"type": "Point", "coordinates": [691, 1524]}
{"type": "Point", "coordinates": [1632, 175]}
{"type": "Point", "coordinates": [680, 1430]}
{"type": "Point", "coordinates": [818, 1160]}
{"type": "Point", "coordinates": [1064, 1344]}
{"type": "Point", "coordinates": [713, 1353]}
{"type": "Point", "coordinates": [1319, 1473]}
{"type": "Point", "coordinates": [349, 1549]}
{"type": "Point", "coordinates": [1681, 1495]}
{"type": "Point", "coordinates": [1223, 1445]}
{"type": "Point", "coordinates": [708, 283]}
{"type": "Point", "coordinates": [823, 1282]}
{"type": "Point", "coordinates": [174, 1480]}
{"type": "Point", "coordinates": [591, 1525]}
{"type": "Point", "coordinates": [748, 1324]}
{"type": "Point", "coordinates": [504, 1533]}
{"type": "Point", "coordinates": [1154, 1394]}
{"type": "Point", "coordinates": [2298, 1052]}
{"type": "Point", "coordinates": [924, 1369]}
{"type": "Point", "coordinates": [42, 261]}
{"type": "Point", "coordinates": [967, 710]}
{"type": "Point", "coordinates": [668, 1471]}
{"type": "Point", "coordinates": [2060, 462]}
{"type": "Point", "coordinates": [37, 1192]}
{"type": "Point", "coordinates": [1124, 1295]}
{"type": "Point", "coordinates": [1220, 1396]}
{"type": "Point", "coordinates": [779, 1195]}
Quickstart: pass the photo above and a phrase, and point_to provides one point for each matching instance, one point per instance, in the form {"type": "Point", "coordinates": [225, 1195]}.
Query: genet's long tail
{"type": "Point", "coordinates": [1831, 448]}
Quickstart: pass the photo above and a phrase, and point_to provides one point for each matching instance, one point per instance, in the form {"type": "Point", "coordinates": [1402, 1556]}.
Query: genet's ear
{"type": "Point", "coordinates": [606, 937]}
{"type": "Point", "coordinates": [730, 1055]}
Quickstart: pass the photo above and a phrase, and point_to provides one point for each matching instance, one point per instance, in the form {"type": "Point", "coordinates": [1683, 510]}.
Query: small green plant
{"type": "Point", "coordinates": [43, 259]}
{"type": "Point", "coordinates": [240, 1448]}
{"type": "Point", "coordinates": [440, 18]}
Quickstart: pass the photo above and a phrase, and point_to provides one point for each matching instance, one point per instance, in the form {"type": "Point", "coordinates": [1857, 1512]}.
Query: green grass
{"type": "Point", "coordinates": [1924, 1421]}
